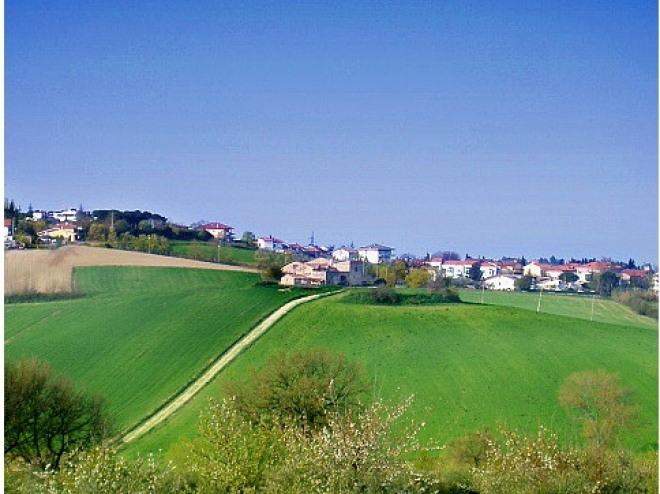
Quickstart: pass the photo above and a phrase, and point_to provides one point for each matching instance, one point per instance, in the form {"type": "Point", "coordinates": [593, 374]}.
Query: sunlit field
{"type": "Point", "coordinates": [140, 334]}
{"type": "Point", "coordinates": [469, 366]}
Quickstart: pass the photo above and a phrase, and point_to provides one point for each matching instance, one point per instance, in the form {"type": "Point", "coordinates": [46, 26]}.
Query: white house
{"type": "Point", "coordinates": [489, 269]}
{"type": "Point", "coordinates": [436, 262]}
{"type": "Point", "coordinates": [500, 282]}
{"type": "Point", "coordinates": [65, 215]}
{"type": "Point", "coordinates": [345, 254]}
{"type": "Point", "coordinates": [270, 243]}
{"type": "Point", "coordinates": [458, 269]}
{"type": "Point", "coordinates": [375, 253]}
{"type": "Point", "coordinates": [220, 231]}
{"type": "Point", "coordinates": [9, 233]}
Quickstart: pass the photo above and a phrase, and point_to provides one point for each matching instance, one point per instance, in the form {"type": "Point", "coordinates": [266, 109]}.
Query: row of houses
{"type": "Point", "coordinates": [318, 265]}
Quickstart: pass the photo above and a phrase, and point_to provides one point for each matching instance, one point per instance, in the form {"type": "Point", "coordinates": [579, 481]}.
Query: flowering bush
{"type": "Point", "coordinates": [349, 454]}
{"type": "Point", "coordinates": [539, 465]}
{"type": "Point", "coordinates": [99, 470]}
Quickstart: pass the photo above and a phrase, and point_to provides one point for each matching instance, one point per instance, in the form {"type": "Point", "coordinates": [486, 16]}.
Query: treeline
{"type": "Point", "coordinates": [304, 423]}
{"type": "Point", "coordinates": [385, 295]}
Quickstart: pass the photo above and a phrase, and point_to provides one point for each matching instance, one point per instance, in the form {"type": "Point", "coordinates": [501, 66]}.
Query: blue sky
{"type": "Point", "coordinates": [488, 128]}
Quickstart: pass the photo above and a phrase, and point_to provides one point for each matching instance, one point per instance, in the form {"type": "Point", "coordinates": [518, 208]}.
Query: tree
{"type": "Point", "coordinates": [524, 283]}
{"type": "Point", "coordinates": [248, 238]}
{"type": "Point", "coordinates": [121, 226]}
{"type": "Point", "coordinates": [417, 278]}
{"type": "Point", "coordinates": [475, 272]}
{"type": "Point", "coordinates": [597, 399]}
{"type": "Point", "coordinates": [304, 386]}
{"type": "Point", "coordinates": [46, 417]}
{"type": "Point", "coordinates": [604, 283]}
{"type": "Point", "coordinates": [400, 270]}
{"type": "Point", "coordinates": [568, 277]}
{"type": "Point", "coordinates": [272, 273]}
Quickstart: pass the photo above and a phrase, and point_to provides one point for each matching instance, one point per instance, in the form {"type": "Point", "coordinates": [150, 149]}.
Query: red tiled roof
{"type": "Point", "coordinates": [217, 226]}
{"type": "Point", "coordinates": [635, 273]}
{"type": "Point", "coordinates": [467, 262]}
{"type": "Point", "coordinates": [271, 239]}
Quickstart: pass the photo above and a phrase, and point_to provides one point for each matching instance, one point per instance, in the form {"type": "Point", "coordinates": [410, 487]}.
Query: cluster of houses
{"type": "Point", "coordinates": [317, 265]}
{"type": "Point", "coordinates": [348, 266]}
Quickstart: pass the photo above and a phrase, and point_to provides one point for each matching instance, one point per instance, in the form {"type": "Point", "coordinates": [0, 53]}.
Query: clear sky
{"type": "Point", "coordinates": [489, 128]}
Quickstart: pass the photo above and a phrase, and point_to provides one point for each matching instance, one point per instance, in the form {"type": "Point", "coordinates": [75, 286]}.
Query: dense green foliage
{"type": "Point", "coordinates": [46, 417]}
{"type": "Point", "coordinates": [385, 295]}
{"type": "Point", "coordinates": [304, 387]}
{"type": "Point", "coordinates": [140, 334]}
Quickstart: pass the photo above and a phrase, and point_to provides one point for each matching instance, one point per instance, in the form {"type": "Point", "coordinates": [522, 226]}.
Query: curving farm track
{"type": "Point", "coordinates": [176, 403]}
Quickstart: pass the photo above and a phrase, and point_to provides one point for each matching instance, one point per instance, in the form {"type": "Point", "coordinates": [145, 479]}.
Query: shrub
{"type": "Point", "coordinates": [385, 295]}
{"type": "Point", "coordinates": [303, 387]}
{"type": "Point", "coordinates": [98, 470]}
{"type": "Point", "coordinates": [46, 417]}
{"type": "Point", "coordinates": [352, 453]}
{"type": "Point", "coordinates": [643, 303]}
{"type": "Point", "coordinates": [523, 465]}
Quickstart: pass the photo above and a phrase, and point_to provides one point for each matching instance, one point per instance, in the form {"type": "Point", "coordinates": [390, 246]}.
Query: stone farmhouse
{"type": "Point", "coordinates": [323, 271]}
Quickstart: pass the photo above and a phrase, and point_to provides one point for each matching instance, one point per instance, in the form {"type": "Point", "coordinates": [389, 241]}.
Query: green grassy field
{"type": "Point", "coordinates": [576, 306]}
{"type": "Point", "coordinates": [469, 366]}
{"type": "Point", "coordinates": [209, 251]}
{"type": "Point", "coordinates": [140, 334]}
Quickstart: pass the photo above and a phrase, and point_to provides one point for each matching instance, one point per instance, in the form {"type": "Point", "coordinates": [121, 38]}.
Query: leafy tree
{"type": "Point", "coordinates": [46, 417]}
{"type": "Point", "coordinates": [417, 278]}
{"type": "Point", "coordinates": [304, 386]}
{"type": "Point", "coordinates": [604, 283]}
{"type": "Point", "coordinates": [475, 272]}
{"type": "Point", "coordinates": [597, 399]}
{"type": "Point", "coordinates": [400, 270]}
{"type": "Point", "coordinates": [248, 238]}
{"type": "Point", "coordinates": [272, 273]}
{"type": "Point", "coordinates": [121, 226]}
{"type": "Point", "coordinates": [524, 283]}
{"type": "Point", "coordinates": [97, 233]}
{"type": "Point", "coordinates": [568, 277]}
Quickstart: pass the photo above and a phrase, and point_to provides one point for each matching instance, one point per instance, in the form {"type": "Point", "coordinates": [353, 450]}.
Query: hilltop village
{"type": "Point", "coordinates": [315, 265]}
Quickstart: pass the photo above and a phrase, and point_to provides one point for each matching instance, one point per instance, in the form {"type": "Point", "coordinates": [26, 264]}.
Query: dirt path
{"type": "Point", "coordinates": [227, 357]}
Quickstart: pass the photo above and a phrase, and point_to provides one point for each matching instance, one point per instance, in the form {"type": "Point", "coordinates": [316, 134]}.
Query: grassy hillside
{"type": "Point", "coordinates": [469, 366]}
{"type": "Point", "coordinates": [140, 334]}
{"type": "Point", "coordinates": [576, 306]}
{"type": "Point", "coordinates": [209, 251]}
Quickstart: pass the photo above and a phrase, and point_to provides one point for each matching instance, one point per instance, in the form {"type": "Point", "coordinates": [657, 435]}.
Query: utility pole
{"type": "Point", "coordinates": [538, 307]}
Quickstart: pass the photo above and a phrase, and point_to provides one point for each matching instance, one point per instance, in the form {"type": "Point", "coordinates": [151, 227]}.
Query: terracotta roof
{"type": "Point", "coordinates": [216, 226]}
{"type": "Point", "coordinates": [271, 239]}
{"type": "Point", "coordinates": [635, 273]}
{"type": "Point", "coordinates": [468, 262]}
